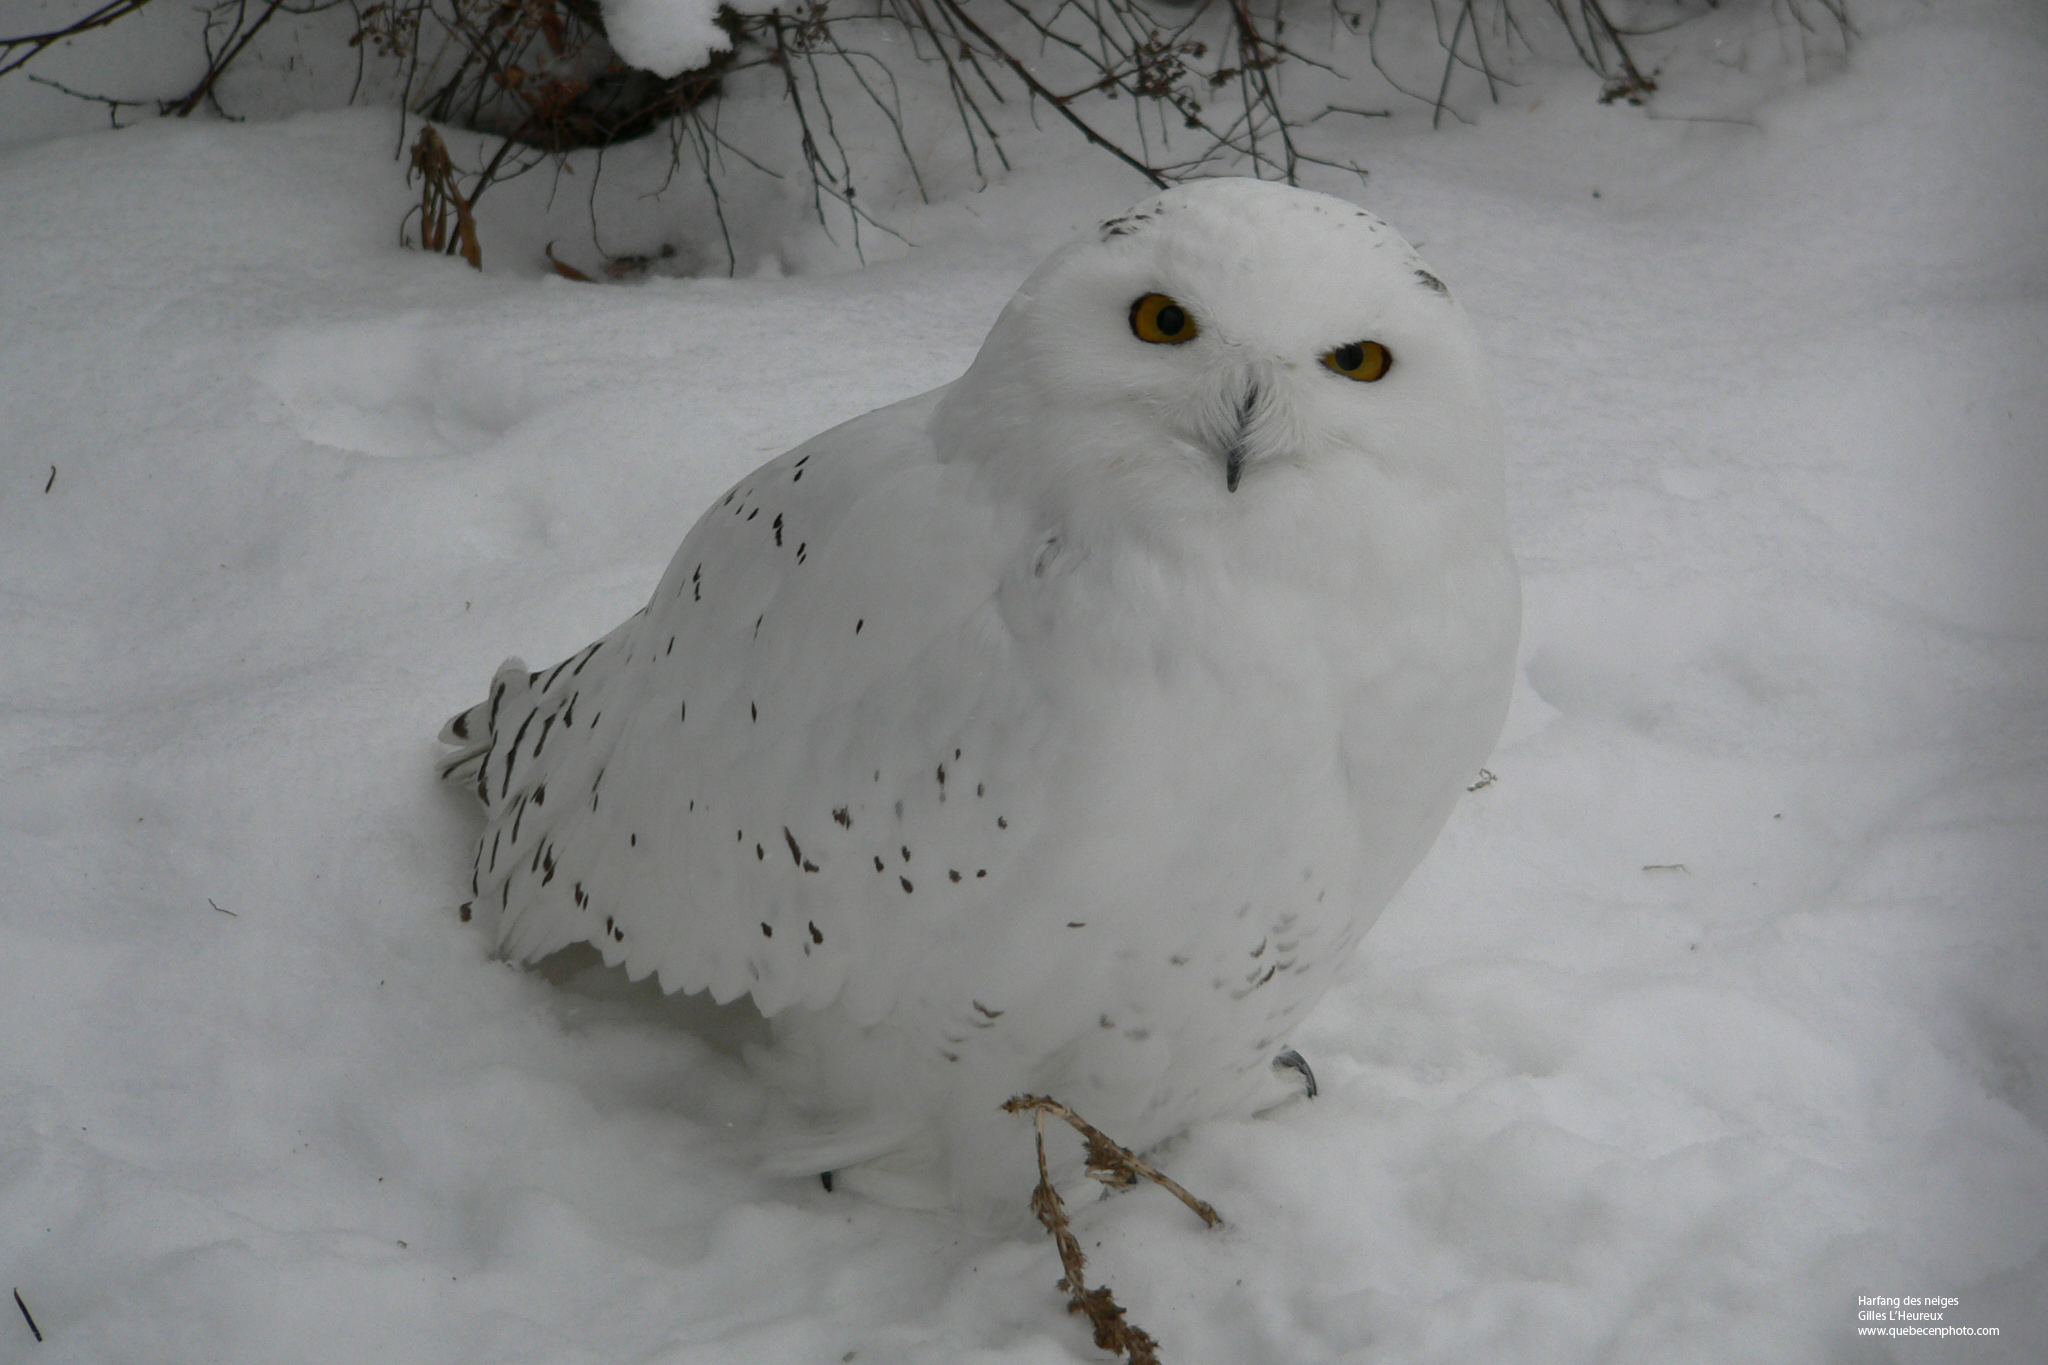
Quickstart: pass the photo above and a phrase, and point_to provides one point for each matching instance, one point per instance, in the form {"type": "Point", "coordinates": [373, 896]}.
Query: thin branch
{"type": "Point", "coordinates": [1032, 82]}
{"type": "Point", "coordinates": [219, 65]}
{"type": "Point", "coordinates": [114, 106]}
{"type": "Point", "coordinates": [37, 43]}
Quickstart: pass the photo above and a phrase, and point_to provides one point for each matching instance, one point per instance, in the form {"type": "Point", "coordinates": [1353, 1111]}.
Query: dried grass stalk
{"type": "Point", "coordinates": [440, 199]}
{"type": "Point", "coordinates": [1117, 1166]}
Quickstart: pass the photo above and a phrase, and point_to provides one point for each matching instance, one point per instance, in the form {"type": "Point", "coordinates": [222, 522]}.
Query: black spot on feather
{"type": "Point", "coordinates": [513, 753]}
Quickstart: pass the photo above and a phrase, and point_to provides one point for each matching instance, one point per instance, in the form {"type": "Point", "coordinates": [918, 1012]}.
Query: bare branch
{"type": "Point", "coordinates": [19, 51]}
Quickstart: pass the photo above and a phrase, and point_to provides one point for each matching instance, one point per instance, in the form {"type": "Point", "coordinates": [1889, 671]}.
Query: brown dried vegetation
{"type": "Point", "coordinates": [1202, 78]}
{"type": "Point", "coordinates": [1118, 1167]}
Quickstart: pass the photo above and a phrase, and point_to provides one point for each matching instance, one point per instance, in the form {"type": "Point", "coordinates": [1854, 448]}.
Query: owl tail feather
{"type": "Point", "coordinates": [473, 734]}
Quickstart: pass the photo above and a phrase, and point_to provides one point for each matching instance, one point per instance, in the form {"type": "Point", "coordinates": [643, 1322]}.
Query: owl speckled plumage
{"type": "Point", "coordinates": [1060, 730]}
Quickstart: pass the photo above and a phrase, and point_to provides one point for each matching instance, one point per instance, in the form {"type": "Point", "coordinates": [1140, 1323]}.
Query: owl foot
{"type": "Point", "coordinates": [1290, 1060]}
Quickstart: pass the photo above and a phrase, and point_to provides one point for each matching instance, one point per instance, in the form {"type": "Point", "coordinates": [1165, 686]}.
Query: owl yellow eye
{"type": "Point", "coordinates": [1157, 318]}
{"type": "Point", "coordinates": [1364, 361]}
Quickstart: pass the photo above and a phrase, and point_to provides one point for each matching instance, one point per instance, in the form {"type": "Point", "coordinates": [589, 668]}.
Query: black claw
{"type": "Point", "coordinates": [1290, 1060]}
{"type": "Point", "coordinates": [825, 1178]}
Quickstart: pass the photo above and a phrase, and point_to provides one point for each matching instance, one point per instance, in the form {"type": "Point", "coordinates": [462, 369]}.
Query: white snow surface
{"type": "Point", "coordinates": [667, 37]}
{"type": "Point", "coordinates": [1726, 1003]}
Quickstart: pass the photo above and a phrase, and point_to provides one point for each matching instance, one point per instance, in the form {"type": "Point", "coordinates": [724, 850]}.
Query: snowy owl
{"type": "Point", "coordinates": [1059, 730]}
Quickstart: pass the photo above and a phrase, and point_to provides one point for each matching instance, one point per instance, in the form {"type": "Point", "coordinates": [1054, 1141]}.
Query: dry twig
{"type": "Point", "coordinates": [1116, 1166]}
{"type": "Point", "coordinates": [21, 49]}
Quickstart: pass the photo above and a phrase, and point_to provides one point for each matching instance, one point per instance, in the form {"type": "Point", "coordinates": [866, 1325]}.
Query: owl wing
{"type": "Point", "coordinates": [776, 778]}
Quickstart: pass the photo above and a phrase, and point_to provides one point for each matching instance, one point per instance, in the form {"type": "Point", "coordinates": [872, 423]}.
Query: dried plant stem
{"type": "Point", "coordinates": [440, 199]}
{"type": "Point", "coordinates": [1114, 1165]}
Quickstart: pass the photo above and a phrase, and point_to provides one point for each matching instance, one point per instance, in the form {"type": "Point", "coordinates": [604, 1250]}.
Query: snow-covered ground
{"type": "Point", "coordinates": [1726, 1003]}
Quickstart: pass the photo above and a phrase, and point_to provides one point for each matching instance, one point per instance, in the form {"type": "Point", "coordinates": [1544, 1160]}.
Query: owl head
{"type": "Point", "coordinates": [1227, 343]}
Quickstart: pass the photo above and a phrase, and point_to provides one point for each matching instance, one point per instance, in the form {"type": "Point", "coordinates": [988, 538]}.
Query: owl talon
{"type": "Point", "coordinates": [1290, 1060]}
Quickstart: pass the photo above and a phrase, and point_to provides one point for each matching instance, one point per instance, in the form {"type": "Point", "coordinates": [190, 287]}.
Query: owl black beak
{"type": "Point", "coordinates": [1233, 458]}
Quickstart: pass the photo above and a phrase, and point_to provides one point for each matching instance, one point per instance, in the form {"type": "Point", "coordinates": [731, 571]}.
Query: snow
{"type": "Point", "coordinates": [1726, 1003]}
{"type": "Point", "coordinates": [667, 37]}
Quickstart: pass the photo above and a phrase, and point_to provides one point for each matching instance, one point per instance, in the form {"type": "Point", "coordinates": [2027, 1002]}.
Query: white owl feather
{"type": "Point", "coordinates": [1060, 730]}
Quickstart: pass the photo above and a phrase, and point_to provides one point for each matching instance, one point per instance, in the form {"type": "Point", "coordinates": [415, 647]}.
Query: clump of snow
{"type": "Point", "coordinates": [667, 37]}
{"type": "Point", "coordinates": [1720, 1009]}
